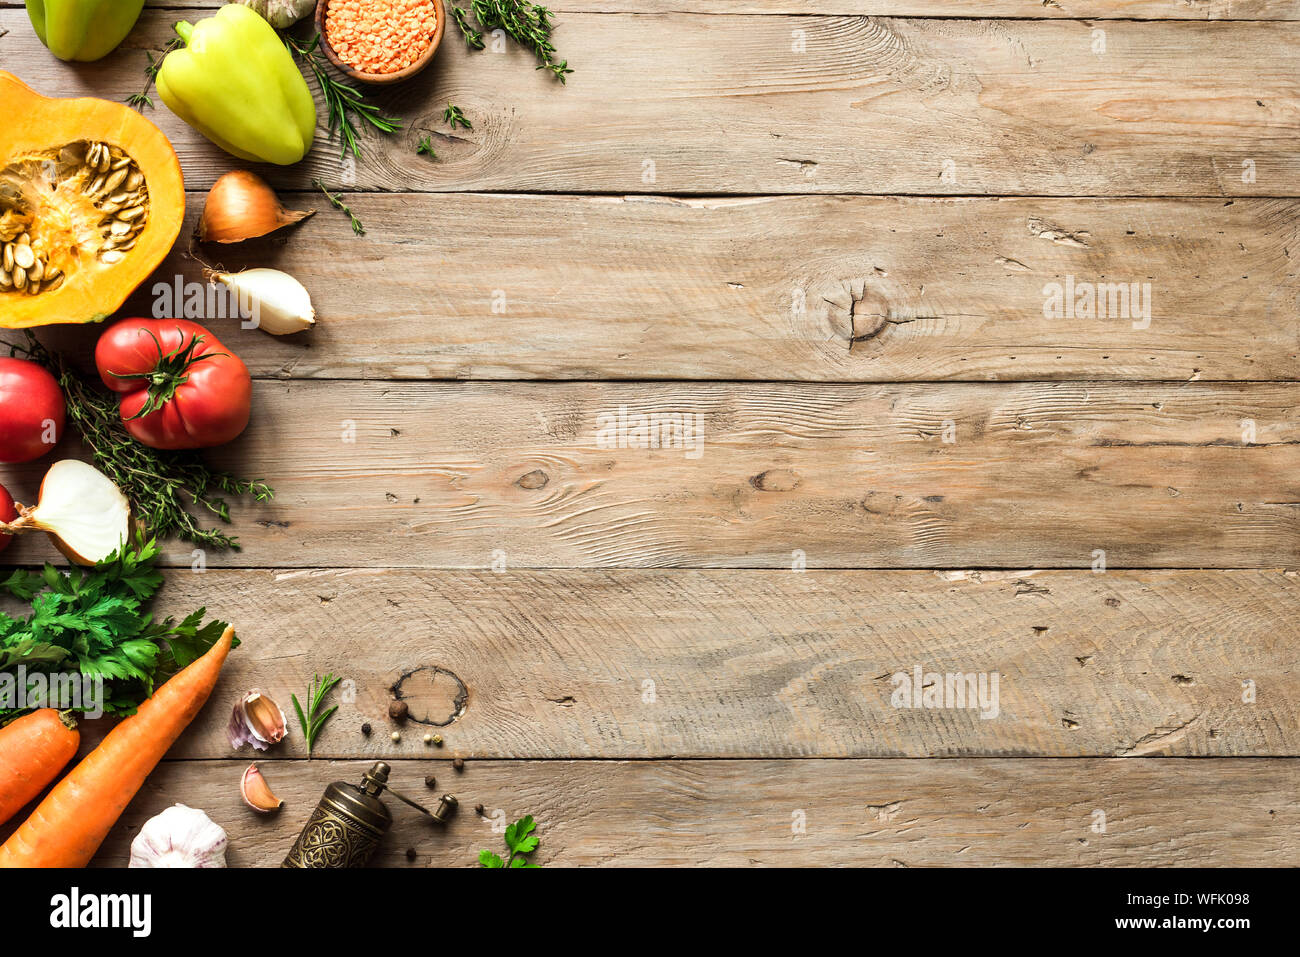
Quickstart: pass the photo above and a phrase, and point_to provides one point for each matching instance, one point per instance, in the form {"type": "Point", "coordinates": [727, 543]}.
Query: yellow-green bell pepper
{"type": "Point", "coordinates": [236, 83]}
{"type": "Point", "coordinates": [83, 29]}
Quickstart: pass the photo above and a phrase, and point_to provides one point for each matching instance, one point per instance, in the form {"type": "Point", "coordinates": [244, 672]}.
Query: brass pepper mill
{"type": "Point", "coordinates": [345, 828]}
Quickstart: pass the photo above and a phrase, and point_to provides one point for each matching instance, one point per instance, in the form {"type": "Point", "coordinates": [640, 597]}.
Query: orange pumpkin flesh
{"type": "Point", "coordinates": [78, 177]}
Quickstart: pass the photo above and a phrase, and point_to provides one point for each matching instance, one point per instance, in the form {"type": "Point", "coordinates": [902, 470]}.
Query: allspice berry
{"type": "Point", "coordinates": [478, 809]}
{"type": "Point", "coordinates": [430, 781]}
{"type": "Point", "coordinates": [410, 853]}
{"type": "Point", "coordinates": [458, 764]}
{"type": "Point", "coordinates": [398, 710]}
{"type": "Point", "coordinates": [365, 729]}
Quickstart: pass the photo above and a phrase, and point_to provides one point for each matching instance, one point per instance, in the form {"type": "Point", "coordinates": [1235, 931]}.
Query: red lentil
{"type": "Point", "coordinates": [380, 36]}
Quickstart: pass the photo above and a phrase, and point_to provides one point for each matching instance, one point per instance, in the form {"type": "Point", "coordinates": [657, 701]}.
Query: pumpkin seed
{"type": "Point", "coordinates": [8, 258]}
{"type": "Point", "coordinates": [95, 186]}
{"type": "Point", "coordinates": [135, 179]}
{"type": "Point", "coordinates": [6, 280]}
{"type": "Point", "coordinates": [121, 162]}
{"type": "Point", "coordinates": [24, 256]}
{"type": "Point", "coordinates": [52, 273]}
{"type": "Point", "coordinates": [36, 271]}
{"type": "Point", "coordinates": [119, 228]}
{"type": "Point", "coordinates": [131, 213]}
{"type": "Point", "coordinates": [53, 284]}
{"type": "Point", "coordinates": [20, 278]}
{"type": "Point", "coordinates": [110, 256]}
{"type": "Point", "coordinates": [114, 180]}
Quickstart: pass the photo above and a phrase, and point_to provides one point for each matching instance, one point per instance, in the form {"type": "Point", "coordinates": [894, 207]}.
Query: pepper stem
{"type": "Point", "coordinates": [183, 29]}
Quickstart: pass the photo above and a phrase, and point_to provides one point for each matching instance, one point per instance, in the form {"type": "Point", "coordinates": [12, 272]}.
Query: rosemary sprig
{"type": "Point", "coordinates": [453, 115]}
{"type": "Point", "coordinates": [315, 719]}
{"type": "Point", "coordinates": [160, 485]}
{"type": "Point", "coordinates": [425, 147]}
{"type": "Point", "coordinates": [345, 103]}
{"type": "Point", "coordinates": [142, 99]}
{"type": "Point", "coordinates": [473, 38]}
{"type": "Point", "coordinates": [336, 200]}
{"type": "Point", "coordinates": [528, 24]}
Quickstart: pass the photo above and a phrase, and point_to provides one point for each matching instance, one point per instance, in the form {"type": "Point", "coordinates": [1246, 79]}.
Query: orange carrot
{"type": "Point", "coordinates": [73, 820]}
{"type": "Point", "coordinates": [33, 750]}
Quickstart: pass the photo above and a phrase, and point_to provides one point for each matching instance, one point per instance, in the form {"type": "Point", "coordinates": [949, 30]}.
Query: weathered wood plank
{"type": "Point", "coordinates": [676, 103]}
{"type": "Point", "coordinates": [531, 475]}
{"type": "Point", "coordinates": [1240, 812]}
{"type": "Point", "coordinates": [792, 288]}
{"type": "Point", "coordinates": [700, 664]}
{"type": "Point", "coordinates": [1027, 9]}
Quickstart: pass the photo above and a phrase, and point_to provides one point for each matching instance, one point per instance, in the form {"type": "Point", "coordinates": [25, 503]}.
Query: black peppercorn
{"type": "Point", "coordinates": [410, 853]}
{"type": "Point", "coordinates": [365, 729]}
{"type": "Point", "coordinates": [458, 764]}
{"type": "Point", "coordinates": [430, 781]}
{"type": "Point", "coordinates": [398, 710]}
{"type": "Point", "coordinates": [478, 809]}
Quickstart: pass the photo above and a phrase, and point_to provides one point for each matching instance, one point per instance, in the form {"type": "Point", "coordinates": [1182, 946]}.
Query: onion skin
{"type": "Point", "coordinates": [242, 206]}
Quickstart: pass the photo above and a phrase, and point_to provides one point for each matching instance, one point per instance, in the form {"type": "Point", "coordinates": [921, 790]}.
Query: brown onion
{"type": "Point", "coordinates": [242, 206]}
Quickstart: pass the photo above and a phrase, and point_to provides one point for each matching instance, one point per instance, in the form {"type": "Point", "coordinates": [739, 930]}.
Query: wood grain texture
{"type": "Point", "coordinates": [714, 664]}
{"type": "Point", "coordinates": [1036, 475]}
{"type": "Point", "coordinates": [793, 288]}
{"type": "Point", "coordinates": [1241, 812]}
{"type": "Point", "coordinates": [872, 105]}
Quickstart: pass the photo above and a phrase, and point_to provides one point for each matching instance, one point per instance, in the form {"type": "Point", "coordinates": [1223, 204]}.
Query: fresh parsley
{"type": "Point", "coordinates": [520, 842]}
{"type": "Point", "coordinates": [314, 719]}
{"type": "Point", "coordinates": [93, 621]}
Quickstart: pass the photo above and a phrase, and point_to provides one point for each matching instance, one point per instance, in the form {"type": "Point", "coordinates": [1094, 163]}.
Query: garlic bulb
{"type": "Point", "coordinates": [281, 13]}
{"type": "Point", "coordinates": [179, 837]}
{"type": "Point", "coordinates": [274, 301]}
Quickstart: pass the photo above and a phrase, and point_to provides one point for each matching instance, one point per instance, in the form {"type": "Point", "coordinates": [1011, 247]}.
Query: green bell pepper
{"type": "Point", "coordinates": [236, 83]}
{"type": "Point", "coordinates": [83, 29]}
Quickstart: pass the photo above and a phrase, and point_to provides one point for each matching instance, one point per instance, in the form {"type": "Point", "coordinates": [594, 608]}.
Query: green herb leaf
{"type": "Point", "coordinates": [488, 859]}
{"type": "Point", "coordinates": [452, 116]}
{"type": "Point", "coordinates": [344, 103]}
{"type": "Point", "coordinates": [520, 841]}
{"type": "Point", "coordinates": [313, 719]}
{"type": "Point", "coordinates": [336, 200]}
{"type": "Point", "coordinates": [425, 147]}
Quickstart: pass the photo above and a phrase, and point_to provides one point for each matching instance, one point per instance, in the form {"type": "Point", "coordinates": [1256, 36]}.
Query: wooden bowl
{"type": "Point", "coordinates": [322, 6]}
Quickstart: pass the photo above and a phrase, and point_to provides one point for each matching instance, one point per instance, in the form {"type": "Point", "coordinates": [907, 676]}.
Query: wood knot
{"type": "Point", "coordinates": [534, 479]}
{"type": "Point", "coordinates": [775, 480]}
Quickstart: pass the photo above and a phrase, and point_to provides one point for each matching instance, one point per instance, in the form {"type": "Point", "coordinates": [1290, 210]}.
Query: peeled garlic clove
{"type": "Point", "coordinates": [84, 513]}
{"type": "Point", "coordinates": [256, 720]}
{"type": "Point", "coordinates": [274, 300]}
{"type": "Point", "coordinates": [257, 793]}
{"type": "Point", "coordinates": [242, 206]}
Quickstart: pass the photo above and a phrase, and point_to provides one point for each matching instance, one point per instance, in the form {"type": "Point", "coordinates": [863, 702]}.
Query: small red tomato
{"type": "Point", "coordinates": [31, 410]}
{"type": "Point", "coordinates": [181, 388]}
{"type": "Point", "coordinates": [7, 514]}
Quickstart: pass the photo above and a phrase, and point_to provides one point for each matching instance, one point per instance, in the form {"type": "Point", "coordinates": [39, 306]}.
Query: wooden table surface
{"type": "Point", "coordinates": [826, 227]}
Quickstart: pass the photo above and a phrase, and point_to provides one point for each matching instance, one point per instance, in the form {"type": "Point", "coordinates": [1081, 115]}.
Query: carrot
{"type": "Point", "coordinates": [33, 750]}
{"type": "Point", "coordinates": [67, 828]}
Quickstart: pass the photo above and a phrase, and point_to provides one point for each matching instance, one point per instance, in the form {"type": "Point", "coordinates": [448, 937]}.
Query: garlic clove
{"type": "Point", "coordinates": [273, 300]}
{"type": "Point", "coordinates": [84, 513]}
{"type": "Point", "coordinates": [257, 720]}
{"type": "Point", "coordinates": [242, 206]}
{"type": "Point", "coordinates": [257, 793]}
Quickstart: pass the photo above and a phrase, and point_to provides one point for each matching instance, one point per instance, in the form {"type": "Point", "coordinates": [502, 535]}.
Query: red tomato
{"type": "Point", "coordinates": [181, 388]}
{"type": "Point", "coordinates": [7, 514]}
{"type": "Point", "coordinates": [31, 410]}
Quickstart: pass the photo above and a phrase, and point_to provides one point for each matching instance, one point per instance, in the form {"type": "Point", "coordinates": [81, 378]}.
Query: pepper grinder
{"type": "Point", "coordinates": [345, 828]}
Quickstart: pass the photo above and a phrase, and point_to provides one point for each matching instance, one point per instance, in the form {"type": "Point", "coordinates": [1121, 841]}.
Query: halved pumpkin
{"type": "Point", "coordinates": [91, 200]}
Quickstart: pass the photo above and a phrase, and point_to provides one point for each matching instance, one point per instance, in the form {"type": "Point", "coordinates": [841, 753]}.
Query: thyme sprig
{"type": "Point", "coordinates": [473, 38]}
{"type": "Point", "coordinates": [453, 115]}
{"type": "Point", "coordinates": [160, 485]}
{"type": "Point", "coordinates": [425, 147]}
{"type": "Point", "coordinates": [336, 200]}
{"type": "Point", "coordinates": [528, 24]}
{"type": "Point", "coordinates": [345, 103]}
{"type": "Point", "coordinates": [142, 99]}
